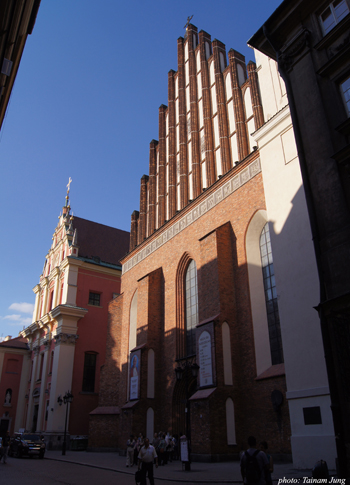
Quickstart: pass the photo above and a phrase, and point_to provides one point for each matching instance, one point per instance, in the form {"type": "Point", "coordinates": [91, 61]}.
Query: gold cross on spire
{"type": "Point", "coordinates": [68, 185]}
{"type": "Point", "coordinates": [188, 22]}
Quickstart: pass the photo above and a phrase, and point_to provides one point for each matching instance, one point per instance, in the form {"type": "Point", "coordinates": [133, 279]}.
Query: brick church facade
{"type": "Point", "coordinates": [199, 287]}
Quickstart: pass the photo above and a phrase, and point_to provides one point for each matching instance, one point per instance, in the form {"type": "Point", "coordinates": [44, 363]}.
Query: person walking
{"type": "Point", "coordinates": [162, 446]}
{"type": "Point", "coordinates": [254, 463]}
{"type": "Point", "coordinates": [146, 458]}
{"type": "Point", "coordinates": [5, 446]}
{"type": "Point", "coordinates": [130, 445]}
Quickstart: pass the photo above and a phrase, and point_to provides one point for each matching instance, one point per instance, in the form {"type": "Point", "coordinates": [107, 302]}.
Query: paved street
{"type": "Point", "coordinates": [46, 472]}
{"type": "Point", "coordinates": [80, 467]}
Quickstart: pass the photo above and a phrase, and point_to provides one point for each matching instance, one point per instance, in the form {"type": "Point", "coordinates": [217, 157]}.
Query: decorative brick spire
{"type": "Point", "coordinates": [205, 52]}
{"type": "Point", "coordinates": [143, 209]}
{"type": "Point", "coordinates": [161, 168]}
{"type": "Point", "coordinates": [254, 89]}
{"type": "Point", "coordinates": [219, 53]}
{"type": "Point", "coordinates": [134, 227]}
{"type": "Point", "coordinates": [235, 59]}
{"type": "Point", "coordinates": [171, 145]}
{"type": "Point", "coordinates": [152, 187]}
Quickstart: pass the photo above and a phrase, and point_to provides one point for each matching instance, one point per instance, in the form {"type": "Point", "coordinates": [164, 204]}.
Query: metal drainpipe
{"type": "Point", "coordinates": [335, 401]}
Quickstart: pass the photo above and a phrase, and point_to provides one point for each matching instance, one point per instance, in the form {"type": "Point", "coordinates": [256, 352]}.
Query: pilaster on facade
{"type": "Point", "coordinates": [205, 53]}
{"type": "Point", "coordinates": [36, 290]}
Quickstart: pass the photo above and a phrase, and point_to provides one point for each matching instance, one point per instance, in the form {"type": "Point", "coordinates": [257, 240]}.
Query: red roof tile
{"type": "Point", "coordinates": [15, 343]}
{"type": "Point", "coordinates": [99, 241]}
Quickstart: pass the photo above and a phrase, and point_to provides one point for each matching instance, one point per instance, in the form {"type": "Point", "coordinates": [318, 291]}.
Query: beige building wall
{"type": "Point", "coordinates": [296, 274]}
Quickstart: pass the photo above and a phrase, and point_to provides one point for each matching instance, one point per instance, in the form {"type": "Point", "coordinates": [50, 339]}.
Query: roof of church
{"type": "Point", "coordinates": [99, 241]}
{"type": "Point", "coordinates": [15, 343]}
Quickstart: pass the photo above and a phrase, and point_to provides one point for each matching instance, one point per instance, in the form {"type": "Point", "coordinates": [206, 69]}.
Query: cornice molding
{"type": "Point", "coordinates": [272, 123]}
{"type": "Point", "coordinates": [67, 311]}
{"type": "Point", "coordinates": [13, 350]}
{"type": "Point", "coordinates": [204, 205]}
{"type": "Point", "coordinates": [36, 288]}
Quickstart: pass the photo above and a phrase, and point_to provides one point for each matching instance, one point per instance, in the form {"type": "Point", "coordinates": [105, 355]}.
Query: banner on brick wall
{"type": "Point", "coordinates": [134, 384]}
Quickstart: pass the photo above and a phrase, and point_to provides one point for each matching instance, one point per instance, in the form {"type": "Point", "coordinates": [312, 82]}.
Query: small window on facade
{"type": "Point", "coordinates": [94, 299]}
{"type": "Point", "coordinates": [191, 307]}
{"type": "Point", "coordinates": [333, 14]}
{"type": "Point", "coordinates": [89, 372]}
{"type": "Point", "coordinates": [273, 318]}
{"type": "Point", "coordinates": [345, 90]}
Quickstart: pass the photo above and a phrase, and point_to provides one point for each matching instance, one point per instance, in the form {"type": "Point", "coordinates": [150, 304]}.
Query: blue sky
{"type": "Point", "coordinates": [85, 105]}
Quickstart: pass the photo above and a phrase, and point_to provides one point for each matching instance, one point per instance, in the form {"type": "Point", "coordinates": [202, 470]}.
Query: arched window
{"type": "Point", "coordinates": [273, 318]}
{"type": "Point", "coordinates": [191, 308]}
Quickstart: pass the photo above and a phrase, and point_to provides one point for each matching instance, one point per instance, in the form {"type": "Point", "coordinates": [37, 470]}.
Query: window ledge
{"type": "Point", "coordinates": [344, 128]}
{"type": "Point", "coordinates": [86, 393]}
{"type": "Point", "coordinates": [273, 371]}
{"type": "Point", "coordinates": [333, 34]}
{"type": "Point", "coordinates": [95, 306]}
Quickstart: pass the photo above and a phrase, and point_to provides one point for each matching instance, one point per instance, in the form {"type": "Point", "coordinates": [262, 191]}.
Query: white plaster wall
{"type": "Point", "coordinates": [213, 99]}
{"type": "Point", "coordinates": [199, 85]}
{"type": "Point", "coordinates": [296, 275]}
{"type": "Point", "coordinates": [294, 262]}
{"type": "Point", "coordinates": [228, 86]}
{"type": "Point", "coordinates": [21, 403]}
{"type": "Point", "coordinates": [61, 382]}
{"type": "Point", "coordinates": [198, 60]}
{"type": "Point", "coordinates": [257, 294]}
{"type": "Point", "coordinates": [273, 95]}
{"type": "Point", "coordinates": [313, 442]}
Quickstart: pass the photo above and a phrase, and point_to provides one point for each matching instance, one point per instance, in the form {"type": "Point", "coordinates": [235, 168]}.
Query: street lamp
{"type": "Point", "coordinates": [179, 370]}
{"type": "Point", "coordinates": [67, 399]}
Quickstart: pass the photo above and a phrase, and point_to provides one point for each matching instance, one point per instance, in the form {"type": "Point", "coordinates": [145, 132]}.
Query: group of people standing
{"type": "Point", "coordinates": [165, 445]}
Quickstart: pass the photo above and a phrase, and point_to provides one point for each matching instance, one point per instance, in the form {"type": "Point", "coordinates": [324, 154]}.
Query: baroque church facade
{"type": "Point", "coordinates": [214, 333]}
{"type": "Point", "coordinates": [67, 337]}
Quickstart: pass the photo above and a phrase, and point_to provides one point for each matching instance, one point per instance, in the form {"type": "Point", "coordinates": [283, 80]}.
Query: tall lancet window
{"type": "Point", "coordinates": [273, 318]}
{"type": "Point", "coordinates": [191, 307]}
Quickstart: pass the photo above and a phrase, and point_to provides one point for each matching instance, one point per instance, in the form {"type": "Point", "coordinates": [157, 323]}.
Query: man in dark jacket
{"type": "Point", "coordinates": [253, 464]}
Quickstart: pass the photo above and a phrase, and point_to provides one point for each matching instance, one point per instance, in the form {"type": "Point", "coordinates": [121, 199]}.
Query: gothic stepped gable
{"type": "Point", "coordinates": [213, 107]}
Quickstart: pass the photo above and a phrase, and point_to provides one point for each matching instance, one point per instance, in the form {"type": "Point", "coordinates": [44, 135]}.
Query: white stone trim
{"type": "Point", "coordinates": [205, 205]}
{"type": "Point", "coordinates": [303, 393]}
